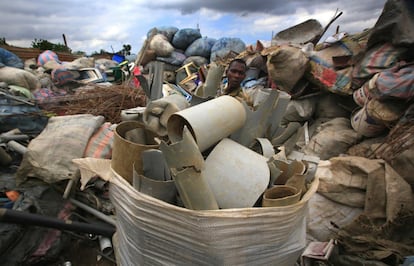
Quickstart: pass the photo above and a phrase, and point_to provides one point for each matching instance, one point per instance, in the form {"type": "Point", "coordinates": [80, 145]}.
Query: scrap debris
{"type": "Point", "coordinates": [325, 135]}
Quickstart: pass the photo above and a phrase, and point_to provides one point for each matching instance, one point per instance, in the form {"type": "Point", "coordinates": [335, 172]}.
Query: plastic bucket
{"type": "Point", "coordinates": [365, 125]}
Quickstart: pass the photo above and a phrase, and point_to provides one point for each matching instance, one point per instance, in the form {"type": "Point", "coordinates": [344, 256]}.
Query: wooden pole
{"type": "Point", "coordinates": [64, 40]}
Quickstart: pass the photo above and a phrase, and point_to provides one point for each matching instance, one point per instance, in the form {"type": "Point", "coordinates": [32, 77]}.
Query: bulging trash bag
{"type": "Point", "coordinates": [10, 59]}
{"type": "Point", "coordinates": [201, 47]}
{"type": "Point", "coordinates": [184, 37]}
{"type": "Point", "coordinates": [161, 46]}
{"type": "Point", "coordinates": [332, 138]}
{"type": "Point", "coordinates": [176, 58]}
{"type": "Point", "coordinates": [47, 56]}
{"type": "Point", "coordinates": [197, 60]}
{"type": "Point", "coordinates": [224, 46]}
{"type": "Point", "coordinates": [167, 31]}
{"type": "Point", "coordinates": [19, 77]}
{"type": "Point", "coordinates": [286, 66]}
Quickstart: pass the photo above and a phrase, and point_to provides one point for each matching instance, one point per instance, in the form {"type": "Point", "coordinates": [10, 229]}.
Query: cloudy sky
{"type": "Point", "coordinates": [90, 25]}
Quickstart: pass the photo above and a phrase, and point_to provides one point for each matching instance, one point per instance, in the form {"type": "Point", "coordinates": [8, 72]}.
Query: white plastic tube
{"type": "Point", "coordinates": [208, 122]}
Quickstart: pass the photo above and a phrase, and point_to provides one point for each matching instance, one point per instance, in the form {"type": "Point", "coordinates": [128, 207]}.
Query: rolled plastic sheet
{"type": "Point", "coordinates": [237, 175]}
{"type": "Point", "coordinates": [209, 122]}
{"type": "Point", "coordinates": [264, 147]}
{"type": "Point", "coordinates": [184, 153]}
{"type": "Point", "coordinates": [162, 190]}
{"type": "Point", "coordinates": [280, 195]}
{"type": "Point", "coordinates": [288, 170]}
{"type": "Point", "coordinates": [263, 121]}
{"type": "Point", "coordinates": [194, 190]}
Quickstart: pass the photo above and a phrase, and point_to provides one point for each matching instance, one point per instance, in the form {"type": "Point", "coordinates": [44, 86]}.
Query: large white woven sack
{"type": "Point", "coordinates": [153, 232]}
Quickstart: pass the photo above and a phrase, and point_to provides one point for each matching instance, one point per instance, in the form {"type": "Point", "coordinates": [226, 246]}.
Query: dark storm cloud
{"type": "Point", "coordinates": [274, 7]}
{"type": "Point", "coordinates": [47, 19]}
{"type": "Point", "coordinates": [93, 24]}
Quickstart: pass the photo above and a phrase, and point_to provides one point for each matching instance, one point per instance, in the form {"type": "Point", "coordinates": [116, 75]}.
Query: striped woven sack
{"type": "Point", "coordinates": [395, 83]}
{"type": "Point", "coordinates": [46, 56]}
{"type": "Point", "coordinates": [100, 144]}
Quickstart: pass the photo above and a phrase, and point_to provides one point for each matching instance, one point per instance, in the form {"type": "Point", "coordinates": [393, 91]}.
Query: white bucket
{"type": "Point", "coordinates": [365, 125]}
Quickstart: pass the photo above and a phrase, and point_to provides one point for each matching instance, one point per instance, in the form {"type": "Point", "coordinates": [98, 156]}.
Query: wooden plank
{"type": "Point", "coordinates": [29, 53]}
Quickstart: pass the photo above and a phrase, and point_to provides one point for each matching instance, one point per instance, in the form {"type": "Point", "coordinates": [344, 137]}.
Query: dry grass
{"type": "Point", "coordinates": [105, 101]}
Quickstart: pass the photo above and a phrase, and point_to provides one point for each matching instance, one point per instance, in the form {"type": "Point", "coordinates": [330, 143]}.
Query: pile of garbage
{"type": "Point", "coordinates": [316, 167]}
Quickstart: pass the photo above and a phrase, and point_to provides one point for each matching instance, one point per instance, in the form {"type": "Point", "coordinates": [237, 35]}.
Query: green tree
{"type": "Point", "coordinates": [46, 45]}
{"type": "Point", "coordinates": [80, 53]}
{"type": "Point", "coordinates": [3, 41]}
{"type": "Point", "coordinates": [126, 50]}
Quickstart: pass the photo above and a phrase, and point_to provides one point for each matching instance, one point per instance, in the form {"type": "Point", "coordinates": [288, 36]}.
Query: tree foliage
{"type": "Point", "coordinates": [3, 41]}
{"type": "Point", "coordinates": [126, 50]}
{"type": "Point", "coordinates": [46, 45]}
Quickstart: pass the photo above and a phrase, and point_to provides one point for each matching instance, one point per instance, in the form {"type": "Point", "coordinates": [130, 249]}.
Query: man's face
{"type": "Point", "coordinates": [235, 74]}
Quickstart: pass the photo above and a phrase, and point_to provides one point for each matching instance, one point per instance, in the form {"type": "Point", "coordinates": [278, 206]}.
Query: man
{"type": "Point", "coordinates": [235, 73]}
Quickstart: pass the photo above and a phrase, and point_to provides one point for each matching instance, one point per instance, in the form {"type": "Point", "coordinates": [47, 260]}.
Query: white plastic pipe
{"type": "Point", "coordinates": [208, 122]}
{"type": "Point", "coordinates": [17, 147]}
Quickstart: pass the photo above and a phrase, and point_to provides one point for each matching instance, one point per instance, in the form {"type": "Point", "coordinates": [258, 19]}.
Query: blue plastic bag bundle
{"type": "Point", "coordinates": [10, 59]}
{"type": "Point", "coordinates": [184, 37]}
{"type": "Point", "coordinates": [201, 47]}
{"type": "Point", "coordinates": [176, 58]}
{"type": "Point", "coordinates": [15, 113]}
{"type": "Point", "coordinates": [224, 46]}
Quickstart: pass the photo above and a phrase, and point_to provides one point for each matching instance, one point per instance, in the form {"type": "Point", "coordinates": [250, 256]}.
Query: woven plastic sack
{"type": "Point", "coordinates": [153, 232]}
{"type": "Point", "coordinates": [61, 75]}
{"type": "Point", "coordinates": [395, 83]}
{"type": "Point", "coordinates": [377, 59]}
{"type": "Point", "coordinates": [286, 66]}
{"type": "Point", "coordinates": [49, 155]}
{"type": "Point", "coordinates": [100, 144]}
{"type": "Point", "coordinates": [19, 77]}
{"type": "Point", "coordinates": [331, 139]}
{"type": "Point", "coordinates": [47, 56]}
{"type": "Point", "coordinates": [322, 71]}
